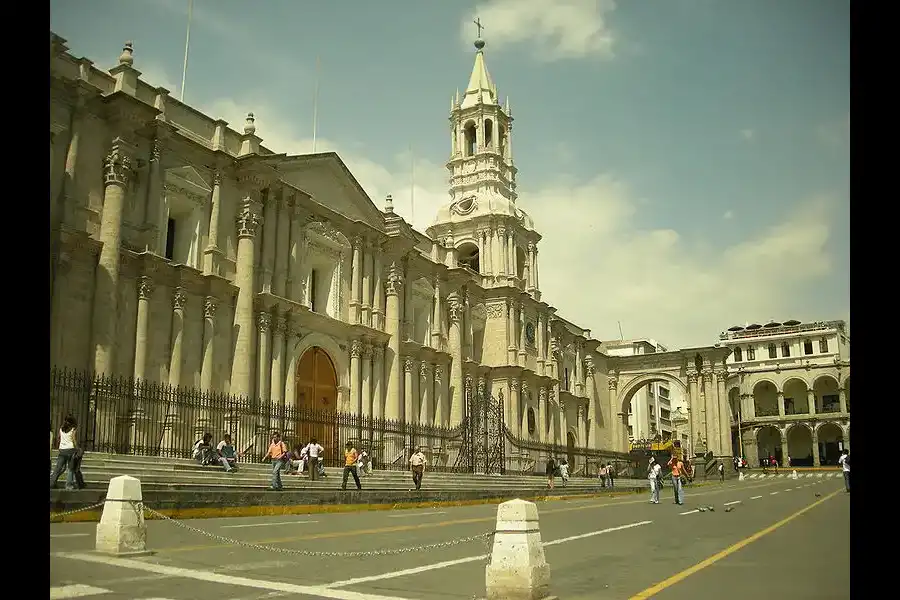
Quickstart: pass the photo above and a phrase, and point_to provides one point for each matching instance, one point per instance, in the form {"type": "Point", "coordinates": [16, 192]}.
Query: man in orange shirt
{"type": "Point", "coordinates": [350, 457]}
{"type": "Point", "coordinates": [678, 472]}
{"type": "Point", "coordinates": [277, 453]}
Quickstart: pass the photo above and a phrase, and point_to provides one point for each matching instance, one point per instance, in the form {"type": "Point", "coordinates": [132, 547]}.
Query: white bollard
{"type": "Point", "coordinates": [794, 474]}
{"type": "Point", "coordinates": [741, 476]}
{"type": "Point", "coordinates": [518, 569]}
{"type": "Point", "coordinates": [121, 530]}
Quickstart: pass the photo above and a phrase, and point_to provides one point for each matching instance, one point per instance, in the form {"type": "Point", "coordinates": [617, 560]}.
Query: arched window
{"type": "Point", "coordinates": [488, 133]}
{"type": "Point", "coordinates": [738, 355]}
{"type": "Point", "coordinates": [471, 139]}
{"type": "Point", "coordinates": [773, 351]}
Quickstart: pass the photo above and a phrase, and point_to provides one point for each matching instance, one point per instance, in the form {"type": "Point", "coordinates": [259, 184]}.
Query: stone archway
{"type": "Point", "coordinates": [800, 445]}
{"type": "Point", "coordinates": [315, 400]}
{"type": "Point", "coordinates": [631, 387]}
{"type": "Point", "coordinates": [765, 399]}
{"type": "Point", "coordinates": [827, 396]}
{"type": "Point", "coordinates": [768, 443]}
{"type": "Point", "coordinates": [830, 437]}
{"type": "Point", "coordinates": [796, 397]}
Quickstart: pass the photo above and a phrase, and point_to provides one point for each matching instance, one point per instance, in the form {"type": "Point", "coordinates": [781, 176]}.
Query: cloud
{"type": "Point", "coordinates": [748, 134]}
{"type": "Point", "coordinates": [565, 29]}
{"type": "Point", "coordinates": [728, 215]}
{"type": "Point", "coordinates": [597, 266]}
{"type": "Point", "coordinates": [836, 133]}
{"type": "Point", "coordinates": [156, 76]}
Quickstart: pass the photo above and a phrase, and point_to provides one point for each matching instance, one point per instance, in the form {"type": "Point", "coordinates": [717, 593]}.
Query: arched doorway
{"type": "Point", "coordinates": [827, 395]}
{"type": "Point", "coordinates": [570, 450]}
{"type": "Point", "coordinates": [768, 442]}
{"type": "Point", "coordinates": [796, 397]}
{"type": "Point", "coordinates": [316, 399]}
{"type": "Point", "coordinates": [800, 446]}
{"type": "Point", "coordinates": [831, 440]}
{"type": "Point", "coordinates": [765, 399]}
{"type": "Point", "coordinates": [633, 404]}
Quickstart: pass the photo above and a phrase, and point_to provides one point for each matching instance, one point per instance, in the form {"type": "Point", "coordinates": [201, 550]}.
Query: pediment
{"type": "Point", "coordinates": [328, 181]}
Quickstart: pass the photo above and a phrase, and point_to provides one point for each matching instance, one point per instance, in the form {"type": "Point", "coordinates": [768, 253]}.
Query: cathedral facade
{"type": "Point", "coordinates": [186, 252]}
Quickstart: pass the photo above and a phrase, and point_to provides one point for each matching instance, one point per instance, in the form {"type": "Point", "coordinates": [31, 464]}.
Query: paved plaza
{"type": "Point", "coordinates": [781, 538]}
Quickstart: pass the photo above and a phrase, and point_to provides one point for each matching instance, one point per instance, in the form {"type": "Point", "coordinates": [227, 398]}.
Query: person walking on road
{"type": "Point", "coordinates": [611, 474]}
{"type": "Point", "coordinates": [417, 465]}
{"type": "Point", "coordinates": [564, 471]}
{"type": "Point", "coordinates": [722, 472]}
{"type": "Point", "coordinates": [551, 472]}
{"type": "Point", "coordinates": [350, 458]}
{"type": "Point", "coordinates": [66, 457]}
{"type": "Point", "coordinates": [653, 474]}
{"type": "Point", "coordinates": [313, 450]}
{"type": "Point", "coordinates": [844, 461]}
{"type": "Point", "coordinates": [601, 475]}
{"type": "Point", "coordinates": [277, 453]}
{"type": "Point", "coordinates": [678, 471]}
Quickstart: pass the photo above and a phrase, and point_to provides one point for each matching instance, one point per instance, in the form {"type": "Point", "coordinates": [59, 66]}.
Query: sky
{"type": "Point", "coordinates": [687, 162]}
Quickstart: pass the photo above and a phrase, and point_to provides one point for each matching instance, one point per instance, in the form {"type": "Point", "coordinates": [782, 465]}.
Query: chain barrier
{"type": "Point", "coordinates": [267, 548]}
{"type": "Point", "coordinates": [77, 510]}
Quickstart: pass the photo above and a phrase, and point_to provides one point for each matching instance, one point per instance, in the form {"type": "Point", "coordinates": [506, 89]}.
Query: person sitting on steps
{"type": "Point", "coordinates": [203, 451]}
{"type": "Point", "coordinates": [227, 454]}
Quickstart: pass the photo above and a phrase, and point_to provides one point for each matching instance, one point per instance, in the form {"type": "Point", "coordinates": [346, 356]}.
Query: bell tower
{"type": "Point", "coordinates": [481, 162]}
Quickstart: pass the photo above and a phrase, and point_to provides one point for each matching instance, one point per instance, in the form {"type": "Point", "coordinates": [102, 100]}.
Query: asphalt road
{"type": "Point", "coordinates": [779, 541]}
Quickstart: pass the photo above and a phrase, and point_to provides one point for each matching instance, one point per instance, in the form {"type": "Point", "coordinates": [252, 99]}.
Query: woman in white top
{"type": "Point", "coordinates": [65, 458]}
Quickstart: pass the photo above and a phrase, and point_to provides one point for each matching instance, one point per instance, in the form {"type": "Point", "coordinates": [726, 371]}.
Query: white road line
{"type": "Point", "coordinates": [756, 497]}
{"type": "Point", "coordinates": [221, 578]}
{"type": "Point", "coordinates": [459, 561]}
{"type": "Point", "coordinates": [772, 493]}
{"type": "Point", "coordinates": [789, 489]}
{"type": "Point", "coordinates": [730, 503]}
{"type": "Point", "coordinates": [75, 591]}
{"type": "Point", "coordinates": [68, 535]}
{"type": "Point", "coordinates": [440, 512]}
{"type": "Point", "coordinates": [266, 524]}
{"type": "Point", "coordinates": [690, 512]}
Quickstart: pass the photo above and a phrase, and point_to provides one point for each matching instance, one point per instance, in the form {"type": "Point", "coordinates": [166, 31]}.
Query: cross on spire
{"type": "Point", "coordinates": [479, 26]}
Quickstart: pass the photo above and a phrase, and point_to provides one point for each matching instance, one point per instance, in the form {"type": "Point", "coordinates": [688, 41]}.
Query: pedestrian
{"type": "Point", "coordinates": [227, 454]}
{"type": "Point", "coordinates": [350, 458]}
{"type": "Point", "coordinates": [844, 461]}
{"type": "Point", "coordinates": [313, 450]}
{"type": "Point", "coordinates": [601, 475]}
{"type": "Point", "coordinates": [277, 453]}
{"type": "Point", "coordinates": [721, 471]}
{"type": "Point", "coordinates": [611, 474]}
{"type": "Point", "coordinates": [678, 471]}
{"type": "Point", "coordinates": [363, 464]}
{"type": "Point", "coordinates": [653, 475]}
{"type": "Point", "coordinates": [203, 450]}
{"type": "Point", "coordinates": [417, 465]}
{"type": "Point", "coordinates": [551, 471]}
{"type": "Point", "coordinates": [66, 455]}
{"type": "Point", "coordinates": [564, 471]}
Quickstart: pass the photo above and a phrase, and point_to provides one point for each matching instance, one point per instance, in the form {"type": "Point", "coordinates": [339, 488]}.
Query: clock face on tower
{"type": "Point", "coordinates": [529, 333]}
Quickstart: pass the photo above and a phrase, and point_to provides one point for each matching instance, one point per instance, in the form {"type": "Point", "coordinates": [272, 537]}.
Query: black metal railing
{"type": "Point", "coordinates": [122, 415]}
{"type": "Point", "coordinates": [530, 457]}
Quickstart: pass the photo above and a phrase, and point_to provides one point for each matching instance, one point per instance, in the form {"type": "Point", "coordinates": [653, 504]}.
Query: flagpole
{"type": "Point", "coordinates": [316, 104]}
{"type": "Point", "coordinates": [187, 43]}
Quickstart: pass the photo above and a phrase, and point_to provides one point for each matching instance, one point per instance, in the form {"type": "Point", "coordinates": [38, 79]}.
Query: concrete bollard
{"type": "Point", "coordinates": [121, 530]}
{"type": "Point", "coordinates": [741, 476]}
{"type": "Point", "coordinates": [794, 474]}
{"type": "Point", "coordinates": [518, 569]}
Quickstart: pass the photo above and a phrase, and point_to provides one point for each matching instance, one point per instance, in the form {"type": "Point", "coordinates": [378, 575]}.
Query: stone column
{"type": "Point", "coordinates": [523, 403]}
{"type": "Point", "coordinates": [378, 290]}
{"type": "Point", "coordinates": [393, 287]}
{"type": "Point", "coordinates": [542, 415]}
{"type": "Point", "coordinates": [511, 332]}
{"type": "Point", "coordinates": [207, 367]}
{"type": "Point", "coordinates": [723, 422]}
{"type": "Point", "coordinates": [367, 401]}
{"type": "Point", "coordinates": [694, 392]}
{"type": "Point", "coordinates": [409, 412]}
{"type": "Point", "coordinates": [295, 260]}
{"type": "Point", "coordinates": [436, 317]}
{"type": "Point", "coordinates": [479, 236]}
{"type": "Point", "coordinates": [176, 358]}
{"type": "Point", "coordinates": [407, 308]}
{"type": "Point", "coordinates": [842, 398]}
{"type": "Point", "coordinates": [242, 365]}
{"type": "Point", "coordinates": [145, 294]}
{"type": "Point", "coordinates": [467, 331]}
{"type": "Point", "coordinates": [579, 372]}
{"type": "Point", "coordinates": [811, 398]}
{"type": "Point", "coordinates": [749, 405]}
{"type": "Point", "coordinates": [489, 250]}
{"type": "Point", "coordinates": [277, 378]}
{"type": "Point", "coordinates": [780, 401]}
{"type": "Point", "coordinates": [210, 254]}
{"type": "Point", "coordinates": [581, 426]}
{"type": "Point", "coordinates": [522, 334]}
{"type": "Point", "coordinates": [264, 323]}
{"type": "Point", "coordinates": [426, 413]}
{"type": "Point", "coordinates": [440, 410]}
{"type": "Point", "coordinates": [542, 352]}
{"type": "Point", "coordinates": [378, 377]}
{"type": "Point", "coordinates": [529, 264]}
{"type": "Point", "coordinates": [512, 419]}
{"type": "Point", "coordinates": [117, 171]}
{"type": "Point", "coordinates": [282, 248]}
{"type": "Point", "coordinates": [355, 354]}
{"type": "Point", "coordinates": [784, 450]}
{"type": "Point", "coordinates": [537, 284]}
{"type": "Point", "coordinates": [501, 251]}
{"type": "Point", "coordinates": [707, 410]}
{"type": "Point", "coordinates": [457, 398]}
{"type": "Point", "coordinates": [591, 392]}
{"type": "Point", "coordinates": [367, 287]}
{"type": "Point", "coordinates": [72, 153]}
{"type": "Point", "coordinates": [815, 448]}
{"type": "Point", "coordinates": [616, 414]}
{"type": "Point", "coordinates": [270, 231]}
{"type": "Point", "coordinates": [356, 280]}
{"type": "Point", "coordinates": [511, 254]}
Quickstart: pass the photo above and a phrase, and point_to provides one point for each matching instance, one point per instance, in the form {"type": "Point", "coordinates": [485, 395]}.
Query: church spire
{"type": "Point", "coordinates": [481, 88]}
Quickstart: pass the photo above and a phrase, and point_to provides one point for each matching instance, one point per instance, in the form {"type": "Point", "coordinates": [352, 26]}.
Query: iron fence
{"type": "Point", "coordinates": [122, 415]}
{"type": "Point", "coordinates": [530, 457]}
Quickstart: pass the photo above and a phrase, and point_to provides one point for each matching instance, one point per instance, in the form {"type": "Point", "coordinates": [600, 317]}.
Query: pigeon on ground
{"type": "Point", "coordinates": [729, 508]}
{"type": "Point", "coordinates": [702, 509]}
{"type": "Point", "coordinates": [711, 508]}
{"type": "Point", "coordinates": [818, 494]}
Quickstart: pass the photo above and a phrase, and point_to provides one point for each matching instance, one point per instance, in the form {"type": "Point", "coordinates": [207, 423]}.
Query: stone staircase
{"type": "Point", "coordinates": [178, 474]}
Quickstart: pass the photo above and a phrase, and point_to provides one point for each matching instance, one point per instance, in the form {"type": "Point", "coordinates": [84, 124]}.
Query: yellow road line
{"type": "Point", "coordinates": [682, 575]}
{"type": "Point", "coordinates": [417, 526]}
